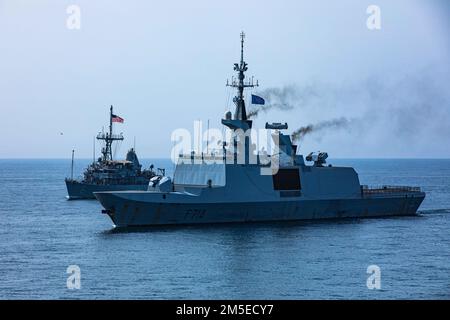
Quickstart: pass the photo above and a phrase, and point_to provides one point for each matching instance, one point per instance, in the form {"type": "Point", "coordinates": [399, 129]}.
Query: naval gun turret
{"type": "Point", "coordinates": [318, 158]}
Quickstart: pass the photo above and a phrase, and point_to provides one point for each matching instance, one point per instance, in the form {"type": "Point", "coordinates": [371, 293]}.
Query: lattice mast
{"type": "Point", "coordinates": [109, 138]}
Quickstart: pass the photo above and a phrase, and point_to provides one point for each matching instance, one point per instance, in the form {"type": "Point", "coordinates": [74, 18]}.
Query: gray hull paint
{"type": "Point", "coordinates": [86, 191]}
{"type": "Point", "coordinates": [137, 213]}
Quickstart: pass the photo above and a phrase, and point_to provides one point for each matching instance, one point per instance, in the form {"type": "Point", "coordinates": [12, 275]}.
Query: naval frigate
{"type": "Point", "coordinates": [107, 174]}
{"type": "Point", "coordinates": [204, 190]}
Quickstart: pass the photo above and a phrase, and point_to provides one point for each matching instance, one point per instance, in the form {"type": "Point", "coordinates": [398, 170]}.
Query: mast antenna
{"type": "Point", "coordinates": [242, 46]}
{"type": "Point", "coordinates": [110, 131]}
{"type": "Point", "coordinates": [71, 168]}
{"type": "Point", "coordinates": [240, 84]}
{"type": "Point", "coordinates": [207, 138]}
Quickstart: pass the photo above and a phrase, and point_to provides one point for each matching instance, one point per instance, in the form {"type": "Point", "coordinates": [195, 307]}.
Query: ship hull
{"type": "Point", "coordinates": [79, 190]}
{"type": "Point", "coordinates": [131, 212]}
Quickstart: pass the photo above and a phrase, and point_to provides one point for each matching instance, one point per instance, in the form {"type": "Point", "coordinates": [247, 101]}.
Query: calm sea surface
{"type": "Point", "coordinates": [41, 234]}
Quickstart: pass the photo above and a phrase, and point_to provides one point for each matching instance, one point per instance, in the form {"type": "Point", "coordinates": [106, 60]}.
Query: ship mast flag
{"type": "Point", "coordinates": [257, 100]}
{"type": "Point", "coordinates": [110, 137]}
{"type": "Point", "coordinates": [115, 118]}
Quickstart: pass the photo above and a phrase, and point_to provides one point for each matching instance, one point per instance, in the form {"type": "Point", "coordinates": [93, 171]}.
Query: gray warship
{"type": "Point", "coordinates": [107, 174]}
{"type": "Point", "coordinates": [228, 187]}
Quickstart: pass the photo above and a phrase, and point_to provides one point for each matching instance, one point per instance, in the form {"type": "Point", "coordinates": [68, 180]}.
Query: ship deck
{"type": "Point", "coordinates": [388, 190]}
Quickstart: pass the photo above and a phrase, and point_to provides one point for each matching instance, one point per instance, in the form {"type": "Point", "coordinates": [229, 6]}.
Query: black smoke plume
{"type": "Point", "coordinates": [320, 126]}
{"type": "Point", "coordinates": [285, 98]}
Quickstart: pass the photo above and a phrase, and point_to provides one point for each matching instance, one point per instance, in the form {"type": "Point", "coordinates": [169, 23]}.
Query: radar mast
{"type": "Point", "coordinates": [109, 138]}
{"type": "Point", "coordinates": [240, 120]}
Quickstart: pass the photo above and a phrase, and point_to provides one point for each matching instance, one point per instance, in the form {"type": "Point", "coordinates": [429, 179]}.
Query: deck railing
{"type": "Point", "coordinates": [388, 189]}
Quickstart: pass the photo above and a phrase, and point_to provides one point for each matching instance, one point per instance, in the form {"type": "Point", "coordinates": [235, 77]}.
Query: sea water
{"type": "Point", "coordinates": [42, 234]}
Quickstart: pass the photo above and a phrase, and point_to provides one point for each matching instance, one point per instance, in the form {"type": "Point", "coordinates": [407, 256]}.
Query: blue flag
{"type": "Point", "coordinates": [257, 100]}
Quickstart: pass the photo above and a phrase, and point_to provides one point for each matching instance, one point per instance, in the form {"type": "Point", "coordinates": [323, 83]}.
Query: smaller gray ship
{"type": "Point", "coordinates": [107, 174]}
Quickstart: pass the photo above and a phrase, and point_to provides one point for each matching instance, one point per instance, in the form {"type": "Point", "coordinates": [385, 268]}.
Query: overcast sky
{"type": "Point", "coordinates": [164, 64]}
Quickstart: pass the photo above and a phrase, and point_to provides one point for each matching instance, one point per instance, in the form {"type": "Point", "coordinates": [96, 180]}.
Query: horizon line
{"type": "Point", "coordinates": [165, 158]}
